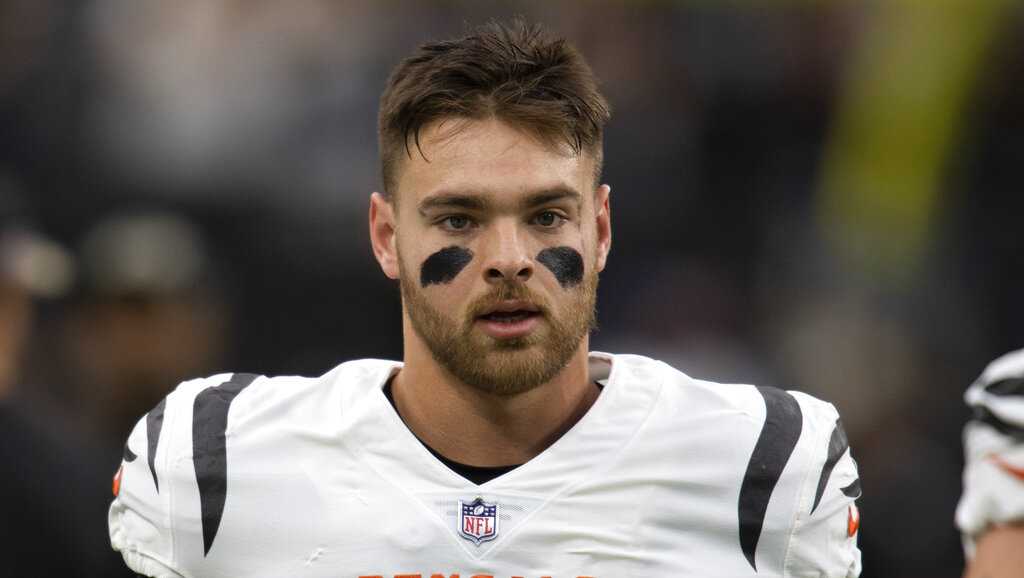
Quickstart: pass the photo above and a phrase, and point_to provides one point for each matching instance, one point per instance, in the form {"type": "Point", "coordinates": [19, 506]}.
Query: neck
{"type": "Point", "coordinates": [474, 427]}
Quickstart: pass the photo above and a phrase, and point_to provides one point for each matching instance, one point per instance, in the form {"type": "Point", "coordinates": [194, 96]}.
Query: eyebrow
{"type": "Point", "coordinates": [476, 202]}
{"type": "Point", "coordinates": [552, 195]}
{"type": "Point", "coordinates": [453, 201]}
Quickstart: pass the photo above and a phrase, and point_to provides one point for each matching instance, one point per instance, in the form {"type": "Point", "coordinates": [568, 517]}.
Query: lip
{"type": "Point", "coordinates": [511, 305]}
{"type": "Point", "coordinates": [506, 330]}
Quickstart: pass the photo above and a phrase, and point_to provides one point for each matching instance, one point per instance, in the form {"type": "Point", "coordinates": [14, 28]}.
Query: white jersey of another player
{"type": "Point", "coordinates": [238, 475]}
{"type": "Point", "coordinates": [994, 449]}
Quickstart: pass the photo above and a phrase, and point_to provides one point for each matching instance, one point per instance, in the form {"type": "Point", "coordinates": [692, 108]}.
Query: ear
{"type": "Point", "coordinates": [382, 234]}
{"type": "Point", "coordinates": [603, 210]}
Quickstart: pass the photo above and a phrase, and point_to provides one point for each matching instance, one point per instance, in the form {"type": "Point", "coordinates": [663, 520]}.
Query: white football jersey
{"type": "Point", "coordinates": [994, 449]}
{"type": "Point", "coordinates": [244, 476]}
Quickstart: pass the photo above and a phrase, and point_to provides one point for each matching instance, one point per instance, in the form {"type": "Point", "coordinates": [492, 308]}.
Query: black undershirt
{"type": "Point", "coordinates": [476, 474]}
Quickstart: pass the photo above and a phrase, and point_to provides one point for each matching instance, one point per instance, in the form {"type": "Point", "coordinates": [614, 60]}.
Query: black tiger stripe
{"type": "Point", "coordinates": [837, 444]}
{"type": "Point", "coordinates": [782, 426]}
{"type": "Point", "coordinates": [1011, 386]}
{"type": "Point", "coordinates": [853, 490]}
{"type": "Point", "coordinates": [209, 449]}
{"type": "Point", "coordinates": [154, 423]}
{"type": "Point", "coordinates": [984, 415]}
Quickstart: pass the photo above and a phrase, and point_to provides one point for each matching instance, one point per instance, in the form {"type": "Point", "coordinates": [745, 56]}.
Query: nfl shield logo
{"type": "Point", "coordinates": [478, 520]}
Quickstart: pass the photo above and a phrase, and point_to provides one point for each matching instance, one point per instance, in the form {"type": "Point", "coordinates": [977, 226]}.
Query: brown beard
{"type": "Point", "coordinates": [504, 367]}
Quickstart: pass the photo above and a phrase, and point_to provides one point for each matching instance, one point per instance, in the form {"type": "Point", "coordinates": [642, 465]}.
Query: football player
{"type": "Point", "coordinates": [991, 511]}
{"type": "Point", "coordinates": [501, 445]}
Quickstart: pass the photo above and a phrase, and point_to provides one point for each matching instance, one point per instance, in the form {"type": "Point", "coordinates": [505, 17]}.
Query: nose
{"type": "Point", "coordinates": [507, 258]}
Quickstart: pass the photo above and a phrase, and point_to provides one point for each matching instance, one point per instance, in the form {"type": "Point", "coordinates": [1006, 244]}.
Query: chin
{"type": "Point", "coordinates": [510, 371]}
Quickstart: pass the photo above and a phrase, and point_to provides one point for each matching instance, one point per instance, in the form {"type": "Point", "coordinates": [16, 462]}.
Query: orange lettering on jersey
{"type": "Point", "coordinates": [436, 575]}
{"type": "Point", "coordinates": [117, 481]}
{"type": "Point", "coordinates": [852, 520]}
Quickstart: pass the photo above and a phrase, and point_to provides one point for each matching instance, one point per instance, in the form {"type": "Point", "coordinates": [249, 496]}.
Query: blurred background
{"type": "Point", "coordinates": [822, 196]}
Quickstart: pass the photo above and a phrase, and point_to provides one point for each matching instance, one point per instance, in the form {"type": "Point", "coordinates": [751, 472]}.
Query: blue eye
{"type": "Point", "coordinates": [456, 222]}
{"type": "Point", "coordinates": [549, 219]}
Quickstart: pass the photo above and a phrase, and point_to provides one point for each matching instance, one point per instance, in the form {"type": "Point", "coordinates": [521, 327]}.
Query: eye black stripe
{"type": "Point", "coordinates": [154, 423]}
{"type": "Point", "coordinates": [565, 263]}
{"type": "Point", "coordinates": [209, 449]}
{"type": "Point", "coordinates": [837, 444]}
{"type": "Point", "coordinates": [444, 265]}
{"type": "Point", "coordinates": [782, 426]}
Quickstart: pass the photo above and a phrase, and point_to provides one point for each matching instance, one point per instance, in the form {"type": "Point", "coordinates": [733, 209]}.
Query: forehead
{"type": "Point", "coordinates": [489, 157]}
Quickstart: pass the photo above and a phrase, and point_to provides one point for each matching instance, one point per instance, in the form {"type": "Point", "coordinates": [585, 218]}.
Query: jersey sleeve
{"type": "Point", "coordinates": [150, 516]}
{"type": "Point", "coordinates": [993, 479]}
{"type": "Point", "coordinates": [826, 521]}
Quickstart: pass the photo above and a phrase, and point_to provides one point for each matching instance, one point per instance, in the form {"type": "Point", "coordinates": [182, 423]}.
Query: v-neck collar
{"type": "Point", "coordinates": [387, 444]}
{"type": "Point", "coordinates": [476, 474]}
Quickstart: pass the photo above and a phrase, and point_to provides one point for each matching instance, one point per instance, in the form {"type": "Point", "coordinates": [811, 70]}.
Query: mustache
{"type": "Point", "coordinates": [506, 291]}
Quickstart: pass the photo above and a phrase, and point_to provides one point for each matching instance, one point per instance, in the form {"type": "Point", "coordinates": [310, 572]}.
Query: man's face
{"type": "Point", "coordinates": [497, 239]}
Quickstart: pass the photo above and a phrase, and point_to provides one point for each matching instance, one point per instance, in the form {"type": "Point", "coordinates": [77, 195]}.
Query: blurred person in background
{"type": "Point", "coordinates": [148, 313]}
{"type": "Point", "coordinates": [31, 266]}
{"type": "Point", "coordinates": [49, 483]}
{"type": "Point", "coordinates": [991, 509]}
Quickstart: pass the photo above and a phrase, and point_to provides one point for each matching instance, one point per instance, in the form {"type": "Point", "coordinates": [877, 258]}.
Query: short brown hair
{"type": "Point", "coordinates": [513, 71]}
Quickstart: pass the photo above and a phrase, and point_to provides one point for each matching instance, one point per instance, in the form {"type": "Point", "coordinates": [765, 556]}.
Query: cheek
{"type": "Point", "coordinates": [565, 263]}
{"type": "Point", "coordinates": [443, 266]}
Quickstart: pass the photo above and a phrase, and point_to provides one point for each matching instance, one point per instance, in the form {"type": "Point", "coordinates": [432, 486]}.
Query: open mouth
{"type": "Point", "coordinates": [511, 319]}
{"type": "Point", "coordinates": [509, 316]}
